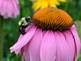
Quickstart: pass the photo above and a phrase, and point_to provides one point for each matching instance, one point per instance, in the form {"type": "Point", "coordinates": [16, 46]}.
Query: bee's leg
{"type": "Point", "coordinates": [23, 59]}
{"type": "Point", "coordinates": [22, 30]}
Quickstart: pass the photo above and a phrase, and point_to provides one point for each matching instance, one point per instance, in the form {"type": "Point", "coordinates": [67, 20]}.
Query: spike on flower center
{"type": "Point", "coordinates": [52, 18]}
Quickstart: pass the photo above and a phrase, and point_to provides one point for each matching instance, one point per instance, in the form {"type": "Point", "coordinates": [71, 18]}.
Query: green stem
{"type": "Point", "coordinates": [1, 49]}
{"type": "Point", "coordinates": [1, 38]}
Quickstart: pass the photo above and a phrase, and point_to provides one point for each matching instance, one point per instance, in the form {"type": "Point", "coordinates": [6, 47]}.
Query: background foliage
{"type": "Point", "coordinates": [9, 32]}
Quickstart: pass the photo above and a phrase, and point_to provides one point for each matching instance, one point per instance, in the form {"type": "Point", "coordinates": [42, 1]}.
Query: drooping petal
{"type": "Point", "coordinates": [71, 44]}
{"type": "Point", "coordinates": [77, 39]}
{"type": "Point", "coordinates": [25, 53]}
{"type": "Point", "coordinates": [48, 47]}
{"type": "Point", "coordinates": [24, 40]}
{"type": "Point", "coordinates": [15, 5]}
{"type": "Point", "coordinates": [34, 47]}
{"type": "Point", "coordinates": [9, 8]}
{"type": "Point", "coordinates": [63, 51]}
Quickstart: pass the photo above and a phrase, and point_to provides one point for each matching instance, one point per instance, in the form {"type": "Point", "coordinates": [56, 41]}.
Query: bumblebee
{"type": "Point", "coordinates": [23, 23]}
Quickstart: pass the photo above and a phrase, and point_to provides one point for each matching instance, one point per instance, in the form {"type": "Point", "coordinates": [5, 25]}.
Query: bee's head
{"type": "Point", "coordinates": [25, 21]}
{"type": "Point", "coordinates": [28, 19]}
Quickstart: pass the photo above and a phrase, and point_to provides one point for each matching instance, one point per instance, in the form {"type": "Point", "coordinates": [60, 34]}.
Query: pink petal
{"type": "Point", "coordinates": [71, 44]}
{"type": "Point", "coordinates": [48, 47]}
{"type": "Point", "coordinates": [9, 8]}
{"type": "Point", "coordinates": [24, 40]}
{"type": "Point", "coordinates": [15, 6]}
{"type": "Point", "coordinates": [34, 46]}
{"type": "Point", "coordinates": [25, 53]}
{"type": "Point", "coordinates": [77, 39]}
{"type": "Point", "coordinates": [63, 51]}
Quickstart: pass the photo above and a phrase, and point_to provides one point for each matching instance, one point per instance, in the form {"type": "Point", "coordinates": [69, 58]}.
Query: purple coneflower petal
{"type": "Point", "coordinates": [24, 40]}
{"type": "Point", "coordinates": [16, 7]}
{"type": "Point", "coordinates": [71, 44]}
{"type": "Point", "coordinates": [77, 40]}
{"type": "Point", "coordinates": [48, 47]}
{"type": "Point", "coordinates": [34, 48]}
{"type": "Point", "coordinates": [9, 8]}
{"type": "Point", "coordinates": [63, 50]}
{"type": "Point", "coordinates": [25, 53]}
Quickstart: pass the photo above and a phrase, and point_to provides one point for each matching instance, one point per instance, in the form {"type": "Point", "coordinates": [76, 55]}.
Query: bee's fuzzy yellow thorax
{"type": "Point", "coordinates": [52, 18]}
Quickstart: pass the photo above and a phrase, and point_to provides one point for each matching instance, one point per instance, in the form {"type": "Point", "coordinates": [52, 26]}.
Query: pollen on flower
{"type": "Point", "coordinates": [52, 18]}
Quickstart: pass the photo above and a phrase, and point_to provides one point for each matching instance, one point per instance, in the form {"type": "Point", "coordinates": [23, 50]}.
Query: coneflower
{"type": "Point", "coordinates": [9, 8]}
{"type": "Point", "coordinates": [51, 36]}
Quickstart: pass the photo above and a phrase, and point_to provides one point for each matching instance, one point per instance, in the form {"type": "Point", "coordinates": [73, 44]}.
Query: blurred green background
{"type": "Point", "coordinates": [9, 29]}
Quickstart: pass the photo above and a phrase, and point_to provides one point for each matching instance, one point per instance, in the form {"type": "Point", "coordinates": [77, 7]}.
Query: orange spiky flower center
{"type": "Point", "coordinates": [52, 18]}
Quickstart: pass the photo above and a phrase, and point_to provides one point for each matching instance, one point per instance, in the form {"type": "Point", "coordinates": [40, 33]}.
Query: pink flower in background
{"type": "Point", "coordinates": [9, 8]}
{"type": "Point", "coordinates": [48, 45]}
